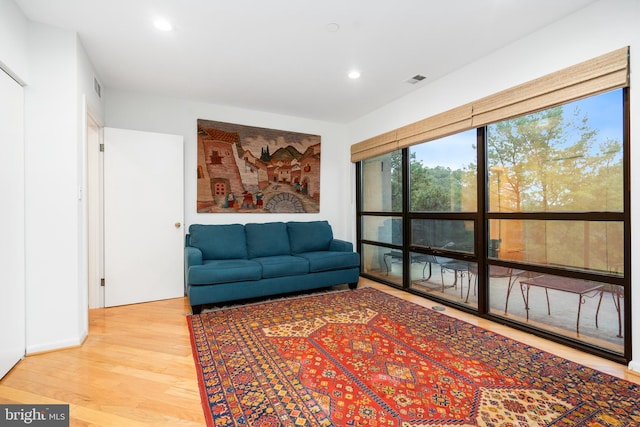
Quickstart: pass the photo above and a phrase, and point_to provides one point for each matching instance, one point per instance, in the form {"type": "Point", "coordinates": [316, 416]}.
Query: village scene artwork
{"type": "Point", "coordinates": [256, 170]}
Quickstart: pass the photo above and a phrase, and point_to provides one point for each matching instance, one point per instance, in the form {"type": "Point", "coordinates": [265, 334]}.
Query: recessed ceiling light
{"type": "Point", "coordinates": [163, 25]}
{"type": "Point", "coordinates": [332, 27]}
{"type": "Point", "coordinates": [354, 74]}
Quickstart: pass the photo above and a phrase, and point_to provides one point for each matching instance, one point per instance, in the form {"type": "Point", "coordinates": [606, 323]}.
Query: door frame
{"type": "Point", "coordinates": [95, 211]}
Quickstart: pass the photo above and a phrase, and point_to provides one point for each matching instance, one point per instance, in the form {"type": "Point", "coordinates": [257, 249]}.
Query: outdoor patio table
{"type": "Point", "coordinates": [617, 295]}
{"type": "Point", "coordinates": [579, 287]}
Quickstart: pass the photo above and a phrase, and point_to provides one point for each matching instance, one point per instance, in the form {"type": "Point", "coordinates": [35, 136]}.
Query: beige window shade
{"type": "Point", "coordinates": [434, 127]}
{"type": "Point", "coordinates": [372, 147]}
{"type": "Point", "coordinates": [606, 72]}
{"type": "Point", "coordinates": [597, 75]}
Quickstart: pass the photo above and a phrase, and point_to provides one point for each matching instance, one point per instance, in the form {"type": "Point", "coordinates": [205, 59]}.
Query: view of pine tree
{"type": "Point", "coordinates": [434, 189]}
{"type": "Point", "coordinates": [562, 159]}
{"type": "Point", "coordinates": [396, 181]}
{"type": "Point", "coordinates": [542, 162]}
{"type": "Point", "coordinates": [548, 163]}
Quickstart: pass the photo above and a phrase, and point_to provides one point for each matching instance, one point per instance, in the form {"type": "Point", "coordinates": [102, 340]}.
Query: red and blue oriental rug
{"type": "Point", "coordinates": [366, 358]}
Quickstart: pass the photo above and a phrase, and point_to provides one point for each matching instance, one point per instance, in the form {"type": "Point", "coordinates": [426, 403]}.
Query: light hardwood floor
{"type": "Point", "coordinates": [136, 367]}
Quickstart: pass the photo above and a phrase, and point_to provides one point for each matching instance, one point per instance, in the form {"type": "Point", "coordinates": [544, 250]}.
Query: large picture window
{"type": "Point", "coordinates": [523, 219]}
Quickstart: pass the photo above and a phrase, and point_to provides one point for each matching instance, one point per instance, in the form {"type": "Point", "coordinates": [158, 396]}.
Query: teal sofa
{"type": "Point", "coordinates": [235, 262]}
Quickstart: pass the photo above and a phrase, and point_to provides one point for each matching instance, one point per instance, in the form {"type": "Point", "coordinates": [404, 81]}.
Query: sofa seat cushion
{"type": "Point", "coordinates": [330, 260]}
{"type": "Point", "coordinates": [282, 265]}
{"type": "Point", "coordinates": [213, 272]}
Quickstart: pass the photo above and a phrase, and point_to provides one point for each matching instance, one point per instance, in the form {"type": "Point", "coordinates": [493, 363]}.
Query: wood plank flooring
{"type": "Point", "coordinates": [135, 369]}
{"type": "Point", "coordinates": [136, 366]}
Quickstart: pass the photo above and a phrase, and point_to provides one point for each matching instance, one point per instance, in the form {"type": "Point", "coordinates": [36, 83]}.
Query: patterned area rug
{"type": "Point", "coordinates": [366, 358]}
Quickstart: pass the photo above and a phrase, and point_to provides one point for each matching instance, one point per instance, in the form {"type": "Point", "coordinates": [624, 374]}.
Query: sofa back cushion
{"type": "Point", "coordinates": [269, 239]}
{"type": "Point", "coordinates": [309, 236]}
{"type": "Point", "coordinates": [219, 241]}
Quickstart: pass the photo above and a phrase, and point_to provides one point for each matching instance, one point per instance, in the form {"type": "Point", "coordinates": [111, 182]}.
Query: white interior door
{"type": "Point", "coordinates": [12, 263]}
{"type": "Point", "coordinates": [143, 216]}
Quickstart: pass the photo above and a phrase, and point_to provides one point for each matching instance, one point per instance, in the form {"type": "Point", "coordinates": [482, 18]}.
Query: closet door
{"type": "Point", "coordinates": [12, 276]}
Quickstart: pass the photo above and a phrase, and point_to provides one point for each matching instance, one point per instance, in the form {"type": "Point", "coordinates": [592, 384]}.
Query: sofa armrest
{"type": "Point", "coordinates": [341, 246]}
{"type": "Point", "coordinates": [192, 256]}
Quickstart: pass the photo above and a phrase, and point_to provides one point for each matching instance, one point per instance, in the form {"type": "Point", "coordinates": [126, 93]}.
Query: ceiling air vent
{"type": "Point", "coordinates": [97, 88]}
{"type": "Point", "coordinates": [416, 79]}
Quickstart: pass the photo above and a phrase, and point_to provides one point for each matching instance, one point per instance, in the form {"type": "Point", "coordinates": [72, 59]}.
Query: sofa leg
{"type": "Point", "coordinates": [196, 309]}
{"type": "Point", "coordinates": [353, 285]}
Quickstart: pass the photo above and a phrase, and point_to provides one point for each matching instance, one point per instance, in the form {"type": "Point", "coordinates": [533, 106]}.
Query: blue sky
{"type": "Point", "coordinates": [455, 151]}
{"type": "Point", "coordinates": [604, 112]}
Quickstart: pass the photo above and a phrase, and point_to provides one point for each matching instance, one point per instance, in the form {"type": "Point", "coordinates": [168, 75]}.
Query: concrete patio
{"type": "Point", "coordinates": [559, 317]}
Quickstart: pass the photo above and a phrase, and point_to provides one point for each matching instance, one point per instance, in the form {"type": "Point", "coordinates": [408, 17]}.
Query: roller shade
{"type": "Point", "coordinates": [601, 74]}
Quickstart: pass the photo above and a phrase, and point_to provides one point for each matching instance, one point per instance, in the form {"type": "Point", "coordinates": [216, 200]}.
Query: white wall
{"type": "Point", "coordinates": [13, 40]}
{"type": "Point", "coordinates": [598, 29]}
{"type": "Point", "coordinates": [57, 75]}
{"type": "Point", "coordinates": [51, 181]}
{"type": "Point", "coordinates": [174, 116]}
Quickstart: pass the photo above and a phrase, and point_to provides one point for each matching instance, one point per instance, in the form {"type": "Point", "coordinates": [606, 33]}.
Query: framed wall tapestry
{"type": "Point", "coordinates": [256, 170]}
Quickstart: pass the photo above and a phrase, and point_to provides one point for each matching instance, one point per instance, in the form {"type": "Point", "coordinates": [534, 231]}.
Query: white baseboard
{"type": "Point", "coordinates": [60, 345]}
{"type": "Point", "coordinates": [634, 366]}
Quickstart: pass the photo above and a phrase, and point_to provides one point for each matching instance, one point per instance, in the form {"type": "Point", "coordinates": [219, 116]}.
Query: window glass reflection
{"type": "Point", "coordinates": [452, 235]}
{"type": "Point", "coordinates": [382, 262]}
{"type": "Point", "coordinates": [586, 245]}
{"type": "Point", "coordinates": [382, 183]}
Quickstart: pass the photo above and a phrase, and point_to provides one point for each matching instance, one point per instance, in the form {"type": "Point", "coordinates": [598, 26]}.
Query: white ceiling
{"type": "Point", "coordinates": [280, 56]}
